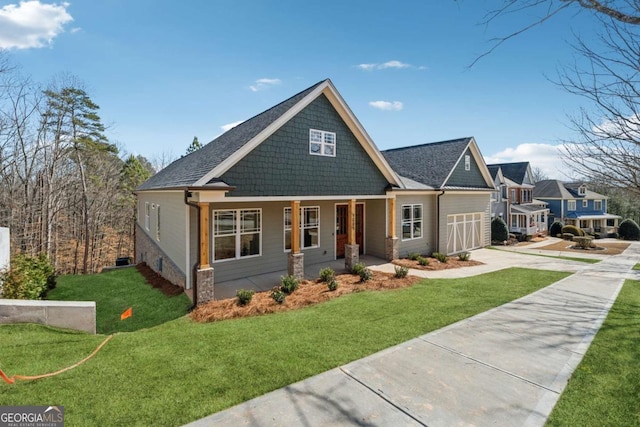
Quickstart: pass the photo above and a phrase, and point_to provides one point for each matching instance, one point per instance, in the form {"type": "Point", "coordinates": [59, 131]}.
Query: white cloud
{"type": "Point", "coordinates": [264, 83]}
{"type": "Point", "coordinates": [387, 105]}
{"type": "Point", "coordinates": [367, 67]}
{"type": "Point", "coordinates": [230, 125]}
{"type": "Point", "coordinates": [32, 24]}
{"type": "Point", "coordinates": [545, 157]}
{"type": "Point", "coordinates": [393, 64]}
{"type": "Point", "coordinates": [389, 64]}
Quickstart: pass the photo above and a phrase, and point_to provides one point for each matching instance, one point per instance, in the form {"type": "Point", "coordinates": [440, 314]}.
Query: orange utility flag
{"type": "Point", "coordinates": [127, 313]}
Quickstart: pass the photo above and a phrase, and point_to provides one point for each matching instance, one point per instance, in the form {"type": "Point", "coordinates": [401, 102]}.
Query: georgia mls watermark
{"type": "Point", "coordinates": [31, 416]}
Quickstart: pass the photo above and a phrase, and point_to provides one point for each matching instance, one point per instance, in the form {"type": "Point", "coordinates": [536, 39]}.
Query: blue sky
{"type": "Point", "coordinates": [166, 71]}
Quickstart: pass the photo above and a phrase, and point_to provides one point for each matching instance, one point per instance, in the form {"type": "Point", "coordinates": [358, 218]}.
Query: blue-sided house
{"type": "Point", "coordinates": [303, 183]}
{"type": "Point", "coordinates": [573, 203]}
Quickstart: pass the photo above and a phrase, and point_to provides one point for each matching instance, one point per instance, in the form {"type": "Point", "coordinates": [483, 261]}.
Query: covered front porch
{"type": "Point", "coordinates": [600, 223]}
{"type": "Point", "coordinates": [528, 219]}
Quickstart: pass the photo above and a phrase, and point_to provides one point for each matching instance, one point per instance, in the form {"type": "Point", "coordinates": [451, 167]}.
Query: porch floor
{"type": "Point", "coordinates": [267, 281]}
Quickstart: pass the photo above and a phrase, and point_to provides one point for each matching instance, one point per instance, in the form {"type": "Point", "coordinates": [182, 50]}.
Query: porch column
{"type": "Point", "coordinates": [351, 249]}
{"type": "Point", "coordinates": [295, 263]}
{"type": "Point", "coordinates": [204, 272]}
{"type": "Point", "coordinates": [392, 242]}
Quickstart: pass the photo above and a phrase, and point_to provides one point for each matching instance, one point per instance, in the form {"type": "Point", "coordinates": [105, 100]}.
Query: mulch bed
{"type": "Point", "coordinates": [157, 281]}
{"type": "Point", "coordinates": [609, 248]}
{"type": "Point", "coordinates": [435, 265]}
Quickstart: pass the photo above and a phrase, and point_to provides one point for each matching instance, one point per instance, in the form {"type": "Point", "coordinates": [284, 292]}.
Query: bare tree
{"type": "Point", "coordinates": [538, 174]}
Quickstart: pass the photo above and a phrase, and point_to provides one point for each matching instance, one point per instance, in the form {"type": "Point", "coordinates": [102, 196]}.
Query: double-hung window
{"type": "Point", "coordinates": [585, 203]}
{"type": "Point", "coordinates": [411, 222]}
{"type": "Point", "coordinates": [597, 205]}
{"type": "Point", "coordinates": [236, 233]}
{"type": "Point", "coordinates": [309, 227]}
{"type": "Point", "coordinates": [571, 205]}
{"type": "Point", "coordinates": [322, 143]}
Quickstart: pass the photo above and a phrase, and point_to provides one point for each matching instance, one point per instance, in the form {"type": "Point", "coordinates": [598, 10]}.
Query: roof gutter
{"type": "Point", "coordinates": [194, 277]}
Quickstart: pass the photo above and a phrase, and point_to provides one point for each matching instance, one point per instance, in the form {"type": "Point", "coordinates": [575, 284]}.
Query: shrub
{"type": "Point", "coordinates": [401, 271]}
{"type": "Point", "coordinates": [567, 236]}
{"type": "Point", "coordinates": [572, 229]}
{"type": "Point", "coordinates": [365, 274]}
{"type": "Point", "coordinates": [423, 261]}
{"type": "Point", "coordinates": [244, 296]}
{"type": "Point", "coordinates": [28, 278]}
{"type": "Point", "coordinates": [464, 256]}
{"type": "Point", "coordinates": [357, 268]}
{"type": "Point", "coordinates": [629, 230]}
{"type": "Point", "coordinates": [440, 257]}
{"type": "Point", "coordinates": [584, 242]}
{"type": "Point", "coordinates": [327, 274]}
{"type": "Point", "coordinates": [499, 230]}
{"type": "Point", "coordinates": [413, 256]}
{"type": "Point", "coordinates": [288, 284]}
{"type": "Point", "coordinates": [278, 296]}
{"type": "Point", "coordinates": [556, 228]}
{"type": "Point", "coordinates": [332, 285]}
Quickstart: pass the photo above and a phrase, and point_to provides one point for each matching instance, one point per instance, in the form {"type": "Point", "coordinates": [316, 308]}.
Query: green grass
{"type": "Point", "coordinates": [568, 258]}
{"type": "Point", "coordinates": [181, 371]}
{"type": "Point", "coordinates": [114, 292]}
{"type": "Point", "coordinates": [637, 266]}
{"type": "Point", "coordinates": [605, 388]}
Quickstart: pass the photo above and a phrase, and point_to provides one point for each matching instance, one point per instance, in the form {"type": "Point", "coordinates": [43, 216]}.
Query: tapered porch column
{"type": "Point", "coordinates": [295, 264]}
{"type": "Point", "coordinates": [392, 241]}
{"type": "Point", "coordinates": [204, 272]}
{"type": "Point", "coordinates": [351, 249]}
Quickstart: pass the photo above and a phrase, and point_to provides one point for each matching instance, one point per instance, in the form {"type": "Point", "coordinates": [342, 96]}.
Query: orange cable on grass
{"type": "Point", "coordinates": [51, 374]}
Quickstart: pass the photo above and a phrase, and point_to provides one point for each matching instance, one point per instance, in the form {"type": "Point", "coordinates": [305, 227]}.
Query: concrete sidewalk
{"type": "Point", "coordinates": [506, 366]}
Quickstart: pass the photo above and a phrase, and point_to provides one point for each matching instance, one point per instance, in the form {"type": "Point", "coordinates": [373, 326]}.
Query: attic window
{"type": "Point", "coordinates": [322, 143]}
{"type": "Point", "coordinates": [582, 190]}
{"type": "Point", "coordinates": [467, 162]}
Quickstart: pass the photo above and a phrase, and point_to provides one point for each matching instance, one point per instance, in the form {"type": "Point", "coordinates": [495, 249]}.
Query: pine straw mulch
{"type": "Point", "coordinates": [435, 265]}
{"type": "Point", "coordinates": [157, 281]}
{"type": "Point", "coordinates": [309, 292]}
{"type": "Point", "coordinates": [609, 248]}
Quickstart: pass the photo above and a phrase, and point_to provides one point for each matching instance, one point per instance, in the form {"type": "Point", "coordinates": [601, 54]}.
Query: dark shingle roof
{"type": "Point", "coordinates": [493, 170]}
{"type": "Point", "coordinates": [436, 160]}
{"type": "Point", "coordinates": [187, 170]}
{"type": "Point", "coordinates": [551, 188]}
{"type": "Point", "coordinates": [513, 171]}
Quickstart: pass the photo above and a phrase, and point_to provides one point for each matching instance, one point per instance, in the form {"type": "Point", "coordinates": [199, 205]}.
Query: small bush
{"type": "Point", "coordinates": [499, 230]}
{"type": "Point", "coordinates": [464, 256]}
{"type": "Point", "coordinates": [244, 296]}
{"type": "Point", "coordinates": [629, 230]}
{"type": "Point", "coordinates": [401, 271]}
{"type": "Point", "coordinates": [413, 256]}
{"type": "Point", "coordinates": [357, 268]}
{"type": "Point", "coordinates": [288, 284]}
{"type": "Point", "coordinates": [278, 296]}
{"type": "Point", "coordinates": [567, 236]}
{"type": "Point", "coordinates": [365, 275]}
{"type": "Point", "coordinates": [572, 229]}
{"type": "Point", "coordinates": [332, 285]}
{"type": "Point", "coordinates": [440, 257]}
{"type": "Point", "coordinates": [556, 228]}
{"type": "Point", "coordinates": [583, 242]}
{"type": "Point", "coordinates": [28, 278]}
{"type": "Point", "coordinates": [327, 274]}
{"type": "Point", "coordinates": [423, 261]}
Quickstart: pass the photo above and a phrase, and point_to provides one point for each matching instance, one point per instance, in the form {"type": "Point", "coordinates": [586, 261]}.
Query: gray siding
{"type": "Point", "coordinates": [426, 244]}
{"type": "Point", "coordinates": [452, 203]}
{"type": "Point", "coordinates": [282, 165]}
{"type": "Point", "coordinates": [467, 178]}
{"type": "Point", "coordinates": [375, 226]}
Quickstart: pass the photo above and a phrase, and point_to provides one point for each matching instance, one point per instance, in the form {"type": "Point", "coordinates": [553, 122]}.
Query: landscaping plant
{"type": "Point", "coordinates": [327, 274]}
{"type": "Point", "coordinates": [278, 296]}
{"type": "Point", "coordinates": [499, 230]}
{"type": "Point", "coordinates": [440, 257]}
{"type": "Point", "coordinates": [28, 278]}
{"type": "Point", "coordinates": [629, 230]}
{"type": "Point", "coordinates": [401, 271]}
{"type": "Point", "coordinates": [365, 275]}
{"type": "Point", "coordinates": [556, 228]}
{"type": "Point", "coordinates": [413, 256]}
{"type": "Point", "coordinates": [464, 256]}
{"type": "Point", "coordinates": [288, 284]}
{"type": "Point", "coordinates": [423, 261]}
{"type": "Point", "coordinates": [357, 268]}
{"type": "Point", "coordinates": [244, 296]}
{"type": "Point", "coordinates": [332, 285]}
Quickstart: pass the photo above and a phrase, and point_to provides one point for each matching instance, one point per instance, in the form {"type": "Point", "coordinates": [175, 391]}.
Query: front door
{"type": "Point", "coordinates": [342, 224]}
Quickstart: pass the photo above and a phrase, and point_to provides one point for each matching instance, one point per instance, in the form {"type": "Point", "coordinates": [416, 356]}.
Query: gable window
{"type": "Point", "coordinates": [585, 203]}
{"type": "Point", "coordinates": [309, 227]}
{"type": "Point", "coordinates": [467, 162]}
{"type": "Point", "coordinates": [571, 205]}
{"type": "Point", "coordinates": [158, 223]}
{"type": "Point", "coordinates": [147, 216]}
{"type": "Point", "coordinates": [322, 143]}
{"type": "Point", "coordinates": [597, 205]}
{"type": "Point", "coordinates": [582, 190]}
{"type": "Point", "coordinates": [236, 233]}
{"type": "Point", "coordinates": [411, 222]}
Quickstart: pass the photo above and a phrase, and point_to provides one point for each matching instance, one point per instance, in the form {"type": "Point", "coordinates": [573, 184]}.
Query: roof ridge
{"type": "Point", "coordinates": [449, 141]}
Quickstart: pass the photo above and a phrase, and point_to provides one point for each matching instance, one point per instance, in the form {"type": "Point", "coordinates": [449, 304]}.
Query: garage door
{"type": "Point", "coordinates": [464, 232]}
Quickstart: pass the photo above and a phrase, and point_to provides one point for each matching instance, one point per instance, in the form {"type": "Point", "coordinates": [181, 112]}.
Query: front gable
{"type": "Point", "coordinates": [467, 172]}
{"type": "Point", "coordinates": [284, 164]}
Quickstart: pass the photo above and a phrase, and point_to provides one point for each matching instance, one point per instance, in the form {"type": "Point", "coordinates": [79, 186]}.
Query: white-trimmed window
{"type": "Point", "coordinates": [411, 222]}
{"type": "Point", "coordinates": [147, 216]}
{"type": "Point", "coordinates": [571, 205]}
{"type": "Point", "coordinates": [322, 143]}
{"type": "Point", "coordinates": [582, 190]}
{"type": "Point", "coordinates": [597, 205]}
{"type": "Point", "coordinates": [467, 162]}
{"type": "Point", "coordinates": [237, 233]}
{"type": "Point", "coordinates": [158, 223]}
{"type": "Point", "coordinates": [585, 203]}
{"type": "Point", "coordinates": [309, 227]}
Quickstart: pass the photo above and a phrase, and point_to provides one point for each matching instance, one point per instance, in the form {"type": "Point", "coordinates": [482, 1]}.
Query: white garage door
{"type": "Point", "coordinates": [464, 232]}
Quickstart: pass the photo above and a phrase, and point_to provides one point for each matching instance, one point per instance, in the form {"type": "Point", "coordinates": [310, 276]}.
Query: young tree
{"type": "Point", "coordinates": [195, 145]}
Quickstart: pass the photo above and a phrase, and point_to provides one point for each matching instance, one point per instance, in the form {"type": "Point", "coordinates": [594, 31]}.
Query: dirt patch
{"type": "Point", "coordinates": [309, 293]}
{"type": "Point", "coordinates": [435, 265]}
{"type": "Point", "coordinates": [608, 248]}
{"type": "Point", "coordinates": [157, 281]}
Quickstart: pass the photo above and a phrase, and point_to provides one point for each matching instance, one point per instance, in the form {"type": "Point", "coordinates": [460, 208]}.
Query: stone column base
{"type": "Point", "coordinates": [351, 256]}
{"type": "Point", "coordinates": [295, 265]}
{"type": "Point", "coordinates": [204, 285]}
{"type": "Point", "coordinates": [391, 248]}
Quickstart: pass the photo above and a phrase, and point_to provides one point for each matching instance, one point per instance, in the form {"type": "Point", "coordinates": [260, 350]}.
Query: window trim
{"type": "Point", "coordinates": [582, 190]}
{"type": "Point", "coordinates": [467, 162]}
{"type": "Point", "coordinates": [237, 233]}
{"type": "Point", "coordinates": [595, 202]}
{"type": "Point", "coordinates": [302, 228]}
{"type": "Point", "coordinates": [411, 222]}
{"type": "Point", "coordinates": [147, 216]}
{"type": "Point", "coordinates": [158, 223]}
{"type": "Point", "coordinates": [571, 203]}
{"type": "Point", "coordinates": [323, 143]}
{"type": "Point", "coordinates": [585, 203]}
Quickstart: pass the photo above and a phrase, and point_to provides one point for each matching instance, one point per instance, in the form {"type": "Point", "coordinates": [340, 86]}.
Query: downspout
{"type": "Point", "coordinates": [438, 220]}
{"type": "Point", "coordinates": [194, 280]}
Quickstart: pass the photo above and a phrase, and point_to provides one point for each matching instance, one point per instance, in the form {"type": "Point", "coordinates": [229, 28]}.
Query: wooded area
{"type": "Point", "coordinates": [65, 190]}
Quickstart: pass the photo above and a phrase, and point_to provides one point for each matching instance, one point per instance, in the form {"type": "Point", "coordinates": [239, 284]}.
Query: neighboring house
{"type": "Point", "coordinates": [524, 214]}
{"type": "Point", "coordinates": [303, 183]}
{"type": "Point", "coordinates": [573, 203]}
{"type": "Point", "coordinates": [500, 197]}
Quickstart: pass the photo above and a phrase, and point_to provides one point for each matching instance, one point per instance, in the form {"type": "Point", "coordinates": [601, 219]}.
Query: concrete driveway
{"type": "Point", "coordinates": [504, 367]}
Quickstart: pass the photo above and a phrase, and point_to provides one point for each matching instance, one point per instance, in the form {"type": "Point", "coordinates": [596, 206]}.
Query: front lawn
{"type": "Point", "coordinates": [114, 292]}
{"type": "Point", "coordinates": [637, 266]}
{"type": "Point", "coordinates": [605, 389]}
{"type": "Point", "coordinates": [181, 371]}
